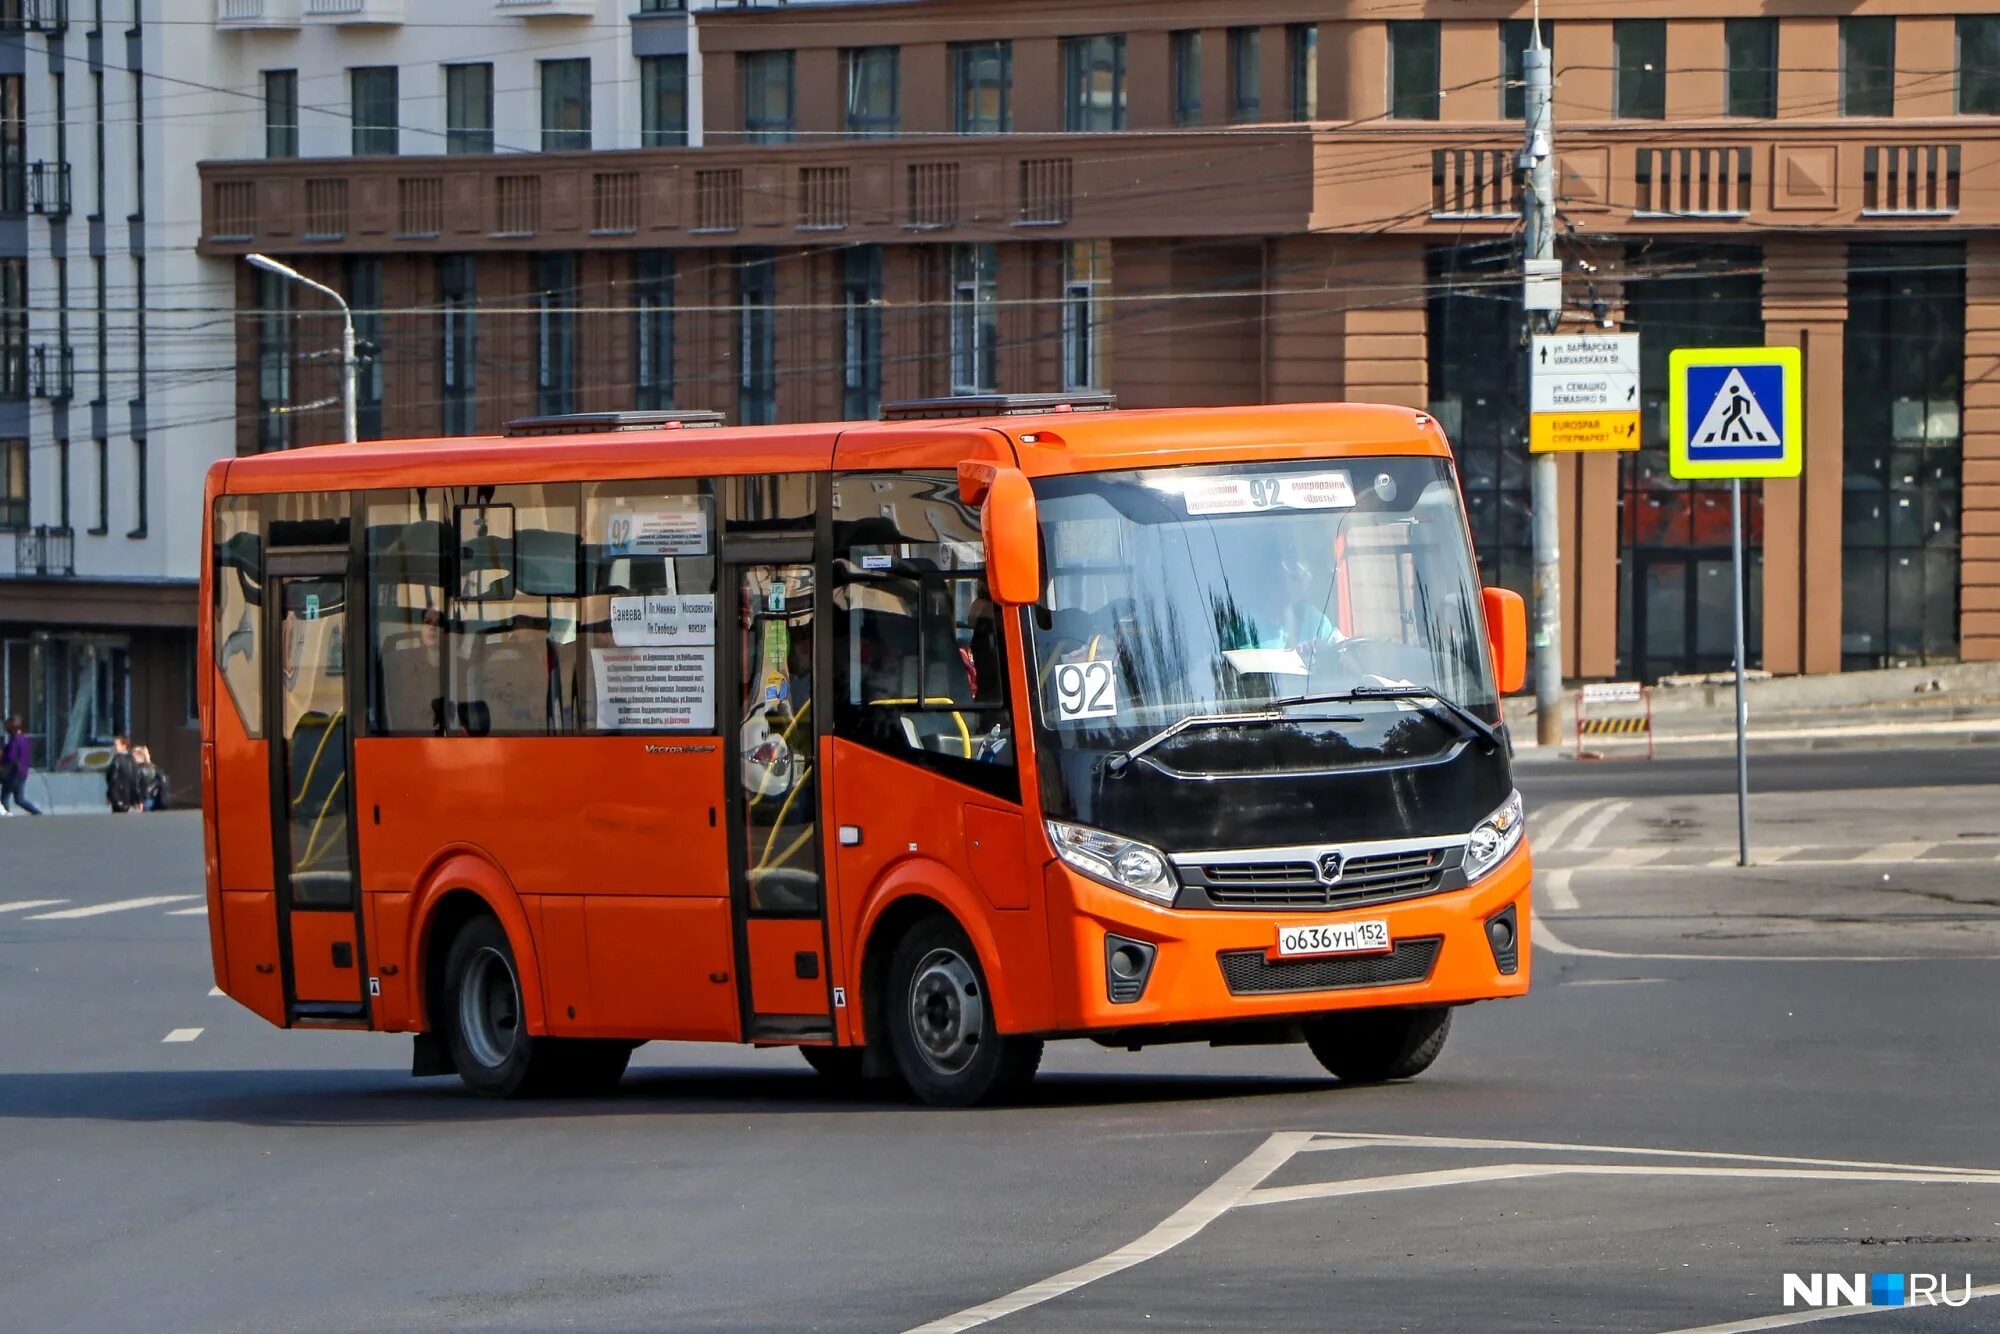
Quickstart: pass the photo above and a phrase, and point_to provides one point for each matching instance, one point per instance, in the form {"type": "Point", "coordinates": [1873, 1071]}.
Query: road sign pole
{"type": "Point", "coordinates": [1742, 715]}
{"type": "Point", "coordinates": [1539, 241]}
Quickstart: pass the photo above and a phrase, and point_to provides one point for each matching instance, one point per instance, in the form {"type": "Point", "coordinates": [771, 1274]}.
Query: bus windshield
{"type": "Point", "coordinates": [1182, 592]}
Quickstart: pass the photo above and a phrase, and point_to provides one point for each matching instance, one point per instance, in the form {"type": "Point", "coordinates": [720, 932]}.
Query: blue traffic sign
{"type": "Point", "coordinates": [1735, 413]}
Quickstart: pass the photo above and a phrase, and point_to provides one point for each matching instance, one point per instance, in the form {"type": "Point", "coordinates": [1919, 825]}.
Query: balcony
{"type": "Point", "coordinates": [249, 15]}
{"type": "Point", "coordinates": [48, 189]}
{"type": "Point", "coordinates": [547, 9]}
{"type": "Point", "coordinates": [52, 372]}
{"type": "Point", "coordinates": [51, 16]}
{"type": "Point", "coordinates": [45, 552]}
{"type": "Point", "coordinates": [354, 12]}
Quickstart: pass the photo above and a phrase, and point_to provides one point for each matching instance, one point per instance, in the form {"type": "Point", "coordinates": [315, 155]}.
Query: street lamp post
{"type": "Point", "coordinates": [347, 360]}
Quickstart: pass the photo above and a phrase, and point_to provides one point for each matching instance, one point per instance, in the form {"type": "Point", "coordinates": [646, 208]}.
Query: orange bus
{"type": "Point", "coordinates": [910, 743]}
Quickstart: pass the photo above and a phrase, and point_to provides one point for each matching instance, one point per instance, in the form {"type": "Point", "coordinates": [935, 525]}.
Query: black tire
{"type": "Point", "coordinates": [940, 1028]}
{"type": "Point", "coordinates": [1371, 1046]}
{"type": "Point", "coordinates": [481, 1016]}
{"type": "Point", "coordinates": [839, 1066]}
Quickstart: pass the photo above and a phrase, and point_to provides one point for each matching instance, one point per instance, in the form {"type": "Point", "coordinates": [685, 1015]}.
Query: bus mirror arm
{"type": "Point", "coordinates": [1507, 632]}
{"type": "Point", "coordinates": [1013, 538]}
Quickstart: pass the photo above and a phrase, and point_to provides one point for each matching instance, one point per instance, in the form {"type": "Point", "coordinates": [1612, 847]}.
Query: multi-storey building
{"type": "Point", "coordinates": [1184, 203]}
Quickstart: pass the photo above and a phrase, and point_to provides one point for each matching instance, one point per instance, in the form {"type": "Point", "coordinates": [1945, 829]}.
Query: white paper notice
{"type": "Point", "coordinates": [663, 619]}
{"type": "Point", "coordinates": [645, 689]}
{"type": "Point", "coordinates": [670, 532]}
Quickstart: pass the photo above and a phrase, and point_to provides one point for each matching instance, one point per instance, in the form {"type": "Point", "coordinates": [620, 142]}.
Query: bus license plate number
{"type": "Point", "coordinates": [1333, 938]}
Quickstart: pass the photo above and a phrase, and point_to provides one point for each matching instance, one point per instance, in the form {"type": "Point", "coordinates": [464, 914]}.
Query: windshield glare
{"type": "Point", "coordinates": [1218, 590]}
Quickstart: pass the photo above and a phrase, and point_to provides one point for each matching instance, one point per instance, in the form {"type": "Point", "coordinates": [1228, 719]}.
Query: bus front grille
{"type": "Point", "coordinates": [1255, 973]}
{"type": "Point", "coordinates": [1296, 884]}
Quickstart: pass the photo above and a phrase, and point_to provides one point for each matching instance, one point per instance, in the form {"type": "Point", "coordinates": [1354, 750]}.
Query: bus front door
{"type": "Point", "coordinates": [312, 793]}
{"type": "Point", "coordinates": [776, 859]}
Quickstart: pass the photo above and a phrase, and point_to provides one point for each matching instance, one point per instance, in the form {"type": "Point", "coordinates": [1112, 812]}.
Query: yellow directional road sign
{"type": "Point", "coordinates": [1582, 431]}
{"type": "Point", "coordinates": [1584, 392]}
{"type": "Point", "coordinates": [1735, 412]}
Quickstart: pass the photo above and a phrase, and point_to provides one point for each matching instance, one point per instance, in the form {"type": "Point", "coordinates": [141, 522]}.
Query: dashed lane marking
{"type": "Point", "coordinates": [99, 909]}
{"type": "Point", "coordinates": [1599, 820]}
{"type": "Point", "coordinates": [182, 1035]}
{"type": "Point", "coordinates": [199, 910]}
{"type": "Point", "coordinates": [23, 905]}
{"type": "Point", "coordinates": [1788, 1318]}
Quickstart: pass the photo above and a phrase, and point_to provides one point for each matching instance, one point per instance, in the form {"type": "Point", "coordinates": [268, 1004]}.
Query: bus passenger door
{"type": "Point", "coordinates": [775, 855]}
{"type": "Point", "coordinates": [312, 794]}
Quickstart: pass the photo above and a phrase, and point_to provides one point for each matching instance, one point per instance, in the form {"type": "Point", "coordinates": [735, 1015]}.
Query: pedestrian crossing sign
{"type": "Point", "coordinates": [1735, 412]}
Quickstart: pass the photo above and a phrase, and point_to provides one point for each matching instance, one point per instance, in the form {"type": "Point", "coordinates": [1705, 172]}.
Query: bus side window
{"type": "Point", "coordinates": [511, 650]}
{"type": "Point", "coordinates": [406, 606]}
{"type": "Point", "coordinates": [239, 598]}
{"type": "Point", "coordinates": [647, 615]}
{"type": "Point", "coordinates": [919, 659]}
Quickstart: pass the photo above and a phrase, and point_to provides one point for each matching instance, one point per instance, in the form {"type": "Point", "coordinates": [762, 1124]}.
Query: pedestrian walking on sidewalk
{"type": "Point", "coordinates": [152, 782]}
{"type": "Point", "coordinates": [16, 758]}
{"type": "Point", "coordinates": [121, 778]}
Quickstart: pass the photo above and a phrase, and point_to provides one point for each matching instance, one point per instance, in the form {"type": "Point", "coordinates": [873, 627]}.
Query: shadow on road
{"type": "Point", "coordinates": [385, 1098]}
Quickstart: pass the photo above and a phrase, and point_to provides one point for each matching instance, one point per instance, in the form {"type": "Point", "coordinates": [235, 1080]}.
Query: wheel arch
{"type": "Point", "coordinates": [461, 884]}
{"type": "Point", "coordinates": [909, 892]}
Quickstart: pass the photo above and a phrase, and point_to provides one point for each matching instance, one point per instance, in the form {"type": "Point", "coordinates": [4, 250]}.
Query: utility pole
{"type": "Point", "coordinates": [349, 363]}
{"type": "Point", "coordinates": [1537, 164]}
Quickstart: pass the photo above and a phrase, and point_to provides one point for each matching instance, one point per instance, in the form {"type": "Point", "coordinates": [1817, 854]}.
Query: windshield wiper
{"type": "Point", "coordinates": [1469, 725]}
{"type": "Point", "coordinates": [1116, 762]}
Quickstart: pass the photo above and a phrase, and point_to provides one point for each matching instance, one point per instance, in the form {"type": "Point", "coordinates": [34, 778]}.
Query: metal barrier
{"type": "Point", "coordinates": [1622, 725]}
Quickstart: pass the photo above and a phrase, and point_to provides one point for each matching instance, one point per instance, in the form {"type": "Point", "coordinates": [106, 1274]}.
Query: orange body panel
{"type": "Point", "coordinates": [775, 984]}
{"type": "Point", "coordinates": [241, 806]}
{"type": "Point", "coordinates": [996, 852]}
{"type": "Point", "coordinates": [315, 975]}
{"type": "Point", "coordinates": [249, 927]}
{"type": "Point", "coordinates": [565, 955]}
{"type": "Point", "coordinates": [662, 968]}
{"type": "Point", "coordinates": [386, 919]}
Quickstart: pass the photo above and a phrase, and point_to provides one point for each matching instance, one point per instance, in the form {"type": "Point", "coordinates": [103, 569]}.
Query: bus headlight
{"type": "Point", "coordinates": [1136, 868]}
{"type": "Point", "coordinates": [1494, 837]}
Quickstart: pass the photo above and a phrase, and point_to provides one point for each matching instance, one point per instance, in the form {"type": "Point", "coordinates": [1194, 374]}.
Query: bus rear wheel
{"type": "Point", "coordinates": [486, 1030]}
{"type": "Point", "coordinates": [940, 1024]}
{"type": "Point", "coordinates": [1372, 1046]}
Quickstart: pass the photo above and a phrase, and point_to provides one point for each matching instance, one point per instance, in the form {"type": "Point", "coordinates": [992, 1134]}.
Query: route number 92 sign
{"type": "Point", "coordinates": [1085, 690]}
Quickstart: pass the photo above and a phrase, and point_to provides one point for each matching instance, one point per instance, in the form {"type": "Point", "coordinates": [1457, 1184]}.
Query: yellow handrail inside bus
{"type": "Point", "coordinates": [325, 734]}
{"type": "Point", "coordinates": [779, 823]}
{"type": "Point", "coordinates": [932, 701]}
{"type": "Point", "coordinates": [312, 837]}
{"type": "Point", "coordinates": [786, 737]}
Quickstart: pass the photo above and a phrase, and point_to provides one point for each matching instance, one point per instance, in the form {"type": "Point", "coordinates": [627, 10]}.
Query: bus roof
{"type": "Point", "coordinates": [1041, 445]}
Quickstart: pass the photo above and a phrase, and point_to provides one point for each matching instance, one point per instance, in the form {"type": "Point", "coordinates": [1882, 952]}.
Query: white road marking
{"type": "Point", "coordinates": [1326, 1190]}
{"type": "Point", "coordinates": [1890, 853]}
{"type": "Point", "coordinates": [1549, 836]}
{"type": "Point", "coordinates": [23, 905]}
{"type": "Point", "coordinates": [1555, 944]}
{"type": "Point", "coordinates": [1814, 1317]}
{"type": "Point", "coordinates": [1609, 981]}
{"type": "Point", "coordinates": [182, 1035]}
{"type": "Point", "coordinates": [1767, 857]}
{"type": "Point", "coordinates": [99, 909]}
{"type": "Point", "coordinates": [199, 910]}
{"type": "Point", "coordinates": [215, 991]}
{"type": "Point", "coordinates": [1227, 1192]}
{"type": "Point", "coordinates": [1352, 1139]}
{"type": "Point", "coordinates": [1625, 858]}
{"type": "Point", "coordinates": [1561, 898]}
{"type": "Point", "coordinates": [1599, 820]}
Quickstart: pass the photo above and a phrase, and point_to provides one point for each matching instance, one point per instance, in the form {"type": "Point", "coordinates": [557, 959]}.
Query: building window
{"type": "Point", "coordinates": [1246, 103]}
{"type": "Point", "coordinates": [1752, 90]}
{"type": "Point", "coordinates": [1086, 335]}
{"type": "Point", "coordinates": [1302, 51]}
{"type": "Point", "coordinates": [281, 113]}
{"type": "Point", "coordinates": [1414, 93]}
{"type": "Point", "coordinates": [757, 338]}
{"type": "Point", "coordinates": [13, 146]}
{"type": "Point", "coordinates": [468, 108]}
{"type": "Point", "coordinates": [274, 362]}
{"type": "Point", "coordinates": [565, 106]}
{"type": "Point", "coordinates": [1640, 50]}
{"type": "Point", "coordinates": [1979, 65]}
{"type": "Point", "coordinates": [975, 322]}
{"type": "Point", "coordinates": [1477, 396]}
{"type": "Point", "coordinates": [1516, 36]}
{"type": "Point", "coordinates": [1095, 70]}
{"type": "Point", "coordinates": [1868, 67]}
{"type": "Point", "coordinates": [364, 298]}
{"type": "Point", "coordinates": [555, 333]}
{"type": "Point", "coordinates": [663, 101]}
{"type": "Point", "coordinates": [653, 330]}
{"type": "Point", "coordinates": [871, 91]}
{"type": "Point", "coordinates": [103, 524]}
{"type": "Point", "coordinates": [768, 94]}
{"type": "Point", "coordinates": [458, 284]}
{"type": "Point", "coordinates": [13, 329]}
{"type": "Point", "coordinates": [1186, 49]}
{"type": "Point", "coordinates": [138, 488]}
{"type": "Point", "coordinates": [982, 76]}
{"type": "Point", "coordinates": [373, 107]}
{"type": "Point", "coordinates": [1904, 455]}
{"type": "Point", "coordinates": [861, 332]}
{"type": "Point", "coordinates": [13, 483]}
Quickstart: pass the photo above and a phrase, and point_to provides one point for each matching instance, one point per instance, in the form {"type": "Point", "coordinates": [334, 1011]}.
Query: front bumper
{"type": "Point", "coordinates": [1209, 967]}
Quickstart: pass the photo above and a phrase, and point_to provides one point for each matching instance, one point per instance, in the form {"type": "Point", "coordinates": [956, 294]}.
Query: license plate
{"type": "Point", "coordinates": [1333, 938]}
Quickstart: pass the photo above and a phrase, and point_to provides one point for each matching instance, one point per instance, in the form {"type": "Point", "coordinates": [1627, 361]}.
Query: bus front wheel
{"type": "Point", "coordinates": [1371, 1046]}
{"type": "Point", "coordinates": [940, 1022]}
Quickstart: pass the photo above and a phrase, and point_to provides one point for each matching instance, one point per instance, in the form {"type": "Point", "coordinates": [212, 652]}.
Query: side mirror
{"type": "Point", "coordinates": [1013, 539]}
{"type": "Point", "coordinates": [1507, 632]}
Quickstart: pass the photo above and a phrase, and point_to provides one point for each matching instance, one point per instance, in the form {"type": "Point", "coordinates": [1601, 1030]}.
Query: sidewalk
{"type": "Point", "coordinates": [1941, 706]}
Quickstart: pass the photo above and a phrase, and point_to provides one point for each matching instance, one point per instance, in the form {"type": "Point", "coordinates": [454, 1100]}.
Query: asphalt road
{"type": "Point", "coordinates": [1721, 1076]}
